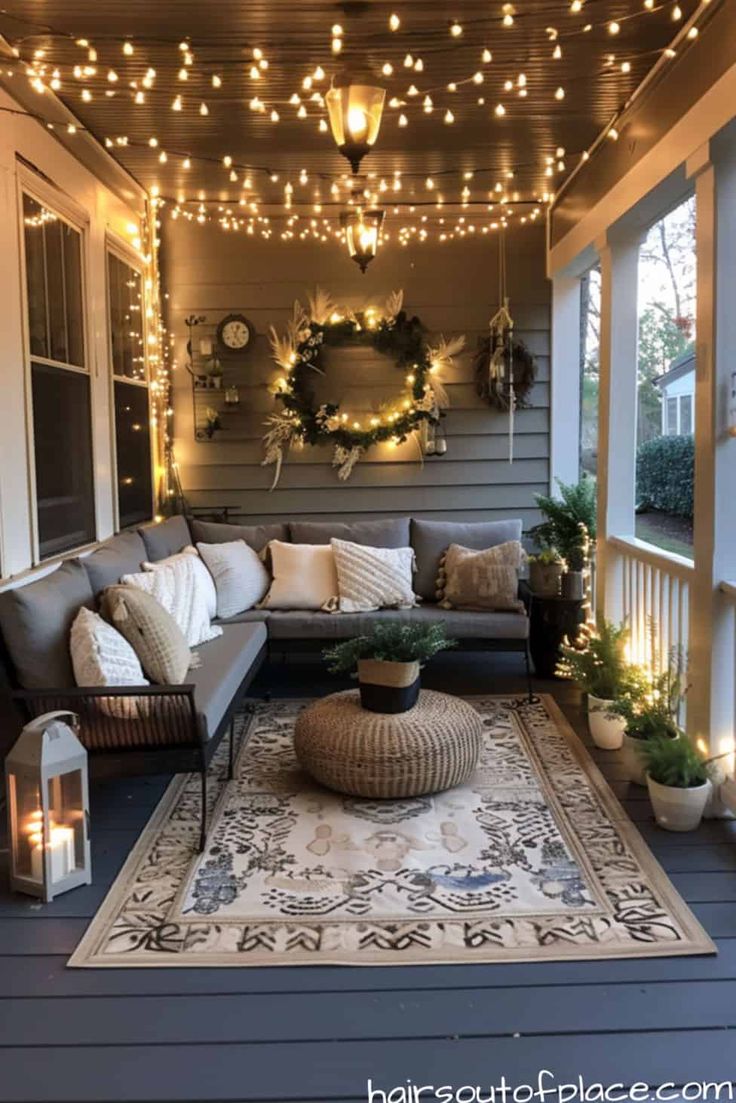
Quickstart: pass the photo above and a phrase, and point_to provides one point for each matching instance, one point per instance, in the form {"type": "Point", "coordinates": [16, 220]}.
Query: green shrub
{"type": "Point", "coordinates": [665, 471]}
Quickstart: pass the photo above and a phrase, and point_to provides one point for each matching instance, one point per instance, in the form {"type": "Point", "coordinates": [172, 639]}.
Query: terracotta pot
{"type": "Point", "coordinates": [607, 732]}
{"type": "Point", "coordinates": [544, 578]}
{"type": "Point", "coordinates": [678, 809]}
{"type": "Point", "coordinates": [386, 686]}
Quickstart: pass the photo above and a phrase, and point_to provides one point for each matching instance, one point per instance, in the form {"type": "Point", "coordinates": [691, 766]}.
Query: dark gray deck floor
{"type": "Point", "coordinates": [319, 1033]}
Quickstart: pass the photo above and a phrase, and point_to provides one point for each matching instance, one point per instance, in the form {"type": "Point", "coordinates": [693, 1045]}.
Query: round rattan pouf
{"type": "Point", "coordinates": [432, 747]}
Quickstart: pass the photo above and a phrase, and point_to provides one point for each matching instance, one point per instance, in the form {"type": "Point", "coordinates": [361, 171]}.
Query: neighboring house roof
{"type": "Point", "coordinates": [684, 364]}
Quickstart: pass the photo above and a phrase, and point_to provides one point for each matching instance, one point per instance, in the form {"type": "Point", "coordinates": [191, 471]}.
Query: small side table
{"type": "Point", "coordinates": [551, 620]}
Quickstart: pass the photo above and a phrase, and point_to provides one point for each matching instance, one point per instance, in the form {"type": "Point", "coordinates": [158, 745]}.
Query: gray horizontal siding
{"type": "Point", "coordinates": [452, 289]}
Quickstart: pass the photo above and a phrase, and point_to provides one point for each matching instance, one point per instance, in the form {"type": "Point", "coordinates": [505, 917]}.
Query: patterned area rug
{"type": "Point", "coordinates": [532, 859]}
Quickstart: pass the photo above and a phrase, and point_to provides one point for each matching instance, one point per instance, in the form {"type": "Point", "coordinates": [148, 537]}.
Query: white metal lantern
{"type": "Point", "coordinates": [48, 808]}
{"type": "Point", "coordinates": [355, 108]}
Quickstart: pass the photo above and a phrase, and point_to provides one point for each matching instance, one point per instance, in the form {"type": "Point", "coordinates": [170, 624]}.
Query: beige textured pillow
{"type": "Point", "coordinates": [304, 576]}
{"type": "Point", "coordinates": [153, 633]}
{"type": "Point", "coordinates": [373, 578]}
{"type": "Point", "coordinates": [487, 579]}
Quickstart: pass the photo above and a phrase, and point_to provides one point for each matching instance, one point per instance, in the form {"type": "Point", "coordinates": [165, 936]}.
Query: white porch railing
{"type": "Point", "coordinates": [653, 590]}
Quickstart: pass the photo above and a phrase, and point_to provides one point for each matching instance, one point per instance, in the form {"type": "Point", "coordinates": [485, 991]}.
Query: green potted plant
{"type": "Point", "coordinates": [678, 781]}
{"type": "Point", "coordinates": [569, 526]}
{"type": "Point", "coordinates": [597, 662]}
{"type": "Point", "coordinates": [545, 572]}
{"type": "Point", "coordinates": [388, 660]}
{"type": "Point", "coordinates": [649, 708]}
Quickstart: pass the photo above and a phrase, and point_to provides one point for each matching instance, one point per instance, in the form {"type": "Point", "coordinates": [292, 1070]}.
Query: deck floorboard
{"type": "Point", "coordinates": [319, 1034]}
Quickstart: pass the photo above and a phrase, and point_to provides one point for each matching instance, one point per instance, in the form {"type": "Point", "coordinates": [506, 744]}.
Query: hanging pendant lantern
{"type": "Point", "coordinates": [362, 234]}
{"type": "Point", "coordinates": [355, 108]}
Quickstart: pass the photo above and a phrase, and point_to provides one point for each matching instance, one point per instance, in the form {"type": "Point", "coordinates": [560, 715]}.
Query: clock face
{"type": "Point", "coordinates": [235, 333]}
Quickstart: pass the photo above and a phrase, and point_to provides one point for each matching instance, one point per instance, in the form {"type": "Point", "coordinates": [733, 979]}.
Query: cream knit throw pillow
{"type": "Point", "coordinates": [178, 587]}
{"type": "Point", "coordinates": [102, 657]}
{"type": "Point", "coordinates": [372, 578]}
{"type": "Point", "coordinates": [204, 578]}
{"type": "Point", "coordinates": [487, 579]}
{"type": "Point", "coordinates": [304, 576]}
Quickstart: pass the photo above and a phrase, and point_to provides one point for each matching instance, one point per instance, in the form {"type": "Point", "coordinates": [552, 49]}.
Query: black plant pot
{"type": "Point", "coordinates": [388, 687]}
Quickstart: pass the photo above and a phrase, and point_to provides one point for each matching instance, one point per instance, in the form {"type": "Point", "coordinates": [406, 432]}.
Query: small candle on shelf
{"type": "Point", "coordinates": [61, 853]}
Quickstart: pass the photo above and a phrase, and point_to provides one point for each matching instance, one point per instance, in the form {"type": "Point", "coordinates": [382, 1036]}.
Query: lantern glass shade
{"type": "Point", "coordinates": [362, 234]}
{"type": "Point", "coordinates": [48, 809]}
{"type": "Point", "coordinates": [355, 112]}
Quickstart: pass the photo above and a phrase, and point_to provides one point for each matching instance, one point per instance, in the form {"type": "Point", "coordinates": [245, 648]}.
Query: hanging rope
{"type": "Point", "coordinates": [501, 363]}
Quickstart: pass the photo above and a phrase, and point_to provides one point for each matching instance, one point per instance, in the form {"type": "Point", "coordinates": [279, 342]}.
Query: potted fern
{"type": "Point", "coordinates": [678, 781]}
{"type": "Point", "coordinates": [388, 660]}
{"type": "Point", "coordinates": [597, 662]}
{"type": "Point", "coordinates": [569, 526]}
{"type": "Point", "coordinates": [649, 710]}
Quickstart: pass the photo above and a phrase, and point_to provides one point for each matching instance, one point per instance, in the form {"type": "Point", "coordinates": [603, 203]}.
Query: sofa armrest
{"type": "Point", "coordinates": [119, 717]}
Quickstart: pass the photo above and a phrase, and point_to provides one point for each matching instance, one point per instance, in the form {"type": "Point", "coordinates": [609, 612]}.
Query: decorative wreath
{"type": "Point", "coordinates": [299, 353]}
{"type": "Point", "coordinates": [495, 391]}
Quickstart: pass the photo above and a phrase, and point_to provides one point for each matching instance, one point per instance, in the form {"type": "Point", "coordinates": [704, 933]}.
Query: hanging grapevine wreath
{"type": "Point", "coordinates": [299, 353]}
{"type": "Point", "coordinates": [495, 390]}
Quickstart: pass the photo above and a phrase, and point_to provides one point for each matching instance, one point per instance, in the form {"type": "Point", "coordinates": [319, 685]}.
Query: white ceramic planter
{"type": "Point", "coordinates": [607, 732]}
{"type": "Point", "coordinates": [632, 761]}
{"type": "Point", "coordinates": [678, 809]}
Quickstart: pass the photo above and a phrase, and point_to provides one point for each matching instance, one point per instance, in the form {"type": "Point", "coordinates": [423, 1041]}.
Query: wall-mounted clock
{"type": "Point", "coordinates": [234, 333]}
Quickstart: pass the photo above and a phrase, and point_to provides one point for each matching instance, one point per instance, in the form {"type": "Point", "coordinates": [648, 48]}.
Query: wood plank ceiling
{"type": "Point", "coordinates": [181, 152]}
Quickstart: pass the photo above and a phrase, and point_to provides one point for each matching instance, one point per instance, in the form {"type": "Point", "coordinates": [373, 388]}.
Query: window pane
{"type": "Point", "coordinates": [63, 452]}
{"type": "Point", "coordinates": [33, 219]}
{"type": "Point", "coordinates": [73, 294]}
{"type": "Point", "coordinates": [590, 318]}
{"type": "Point", "coordinates": [686, 414]}
{"type": "Point", "coordinates": [133, 446]}
{"type": "Point", "coordinates": [671, 417]}
{"type": "Point", "coordinates": [55, 299]}
{"type": "Point", "coordinates": [126, 319]}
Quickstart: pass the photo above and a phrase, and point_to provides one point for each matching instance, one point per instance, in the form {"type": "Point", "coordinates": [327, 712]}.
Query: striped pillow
{"type": "Point", "coordinates": [372, 578]}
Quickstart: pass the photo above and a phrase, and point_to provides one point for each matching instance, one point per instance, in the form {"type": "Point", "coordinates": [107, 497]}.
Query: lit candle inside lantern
{"type": "Point", "coordinates": [61, 853]}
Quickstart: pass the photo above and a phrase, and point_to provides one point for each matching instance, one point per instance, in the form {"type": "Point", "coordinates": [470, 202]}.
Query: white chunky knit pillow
{"type": "Point", "coordinates": [102, 657]}
{"type": "Point", "coordinates": [179, 589]}
{"type": "Point", "coordinates": [372, 578]}
{"type": "Point", "coordinates": [200, 568]}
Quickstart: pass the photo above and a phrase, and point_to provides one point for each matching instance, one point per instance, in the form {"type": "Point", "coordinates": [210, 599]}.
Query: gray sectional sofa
{"type": "Point", "coordinates": [181, 726]}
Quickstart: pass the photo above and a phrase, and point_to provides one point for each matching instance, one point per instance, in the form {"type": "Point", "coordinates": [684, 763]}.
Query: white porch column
{"type": "Point", "coordinates": [565, 381]}
{"type": "Point", "coordinates": [619, 259]}
{"type": "Point", "coordinates": [710, 701]}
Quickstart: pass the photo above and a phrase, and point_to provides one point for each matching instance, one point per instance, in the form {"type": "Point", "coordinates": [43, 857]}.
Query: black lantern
{"type": "Point", "coordinates": [355, 107]}
{"type": "Point", "coordinates": [362, 234]}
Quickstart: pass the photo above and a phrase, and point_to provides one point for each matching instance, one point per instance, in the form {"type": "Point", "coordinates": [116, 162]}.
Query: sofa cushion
{"type": "Point", "coordinates": [393, 532]}
{"type": "Point", "coordinates": [224, 664]}
{"type": "Point", "coordinates": [151, 631]}
{"type": "Point", "coordinates": [431, 539]}
{"type": "Point", "coordinates": [255, 536]}
{"type": "Point", "coordinates": [459, 624]}
{"type": "Point", "coordinates": [165, 538]}
{"type": "Point", "coordinates": [121, 554]}
{"type": "Point", "coordinates": [36, 621]}
{"type": "Point", "coordinates": [248, 616]}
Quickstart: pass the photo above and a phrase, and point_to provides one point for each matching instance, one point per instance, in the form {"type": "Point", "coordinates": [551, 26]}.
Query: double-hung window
{"type": "Point", "coordinates": [131, 411]}
{"type": "Point", "coordinates": [60, 386]}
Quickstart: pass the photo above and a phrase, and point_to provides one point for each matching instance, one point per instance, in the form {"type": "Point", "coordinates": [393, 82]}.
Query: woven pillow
{"type": "Point", "coordinates": [372, 578]}
{"type": "Point", "coordinates": [239, 576]}
{"type": "Point", "coordinates": [487, 579]}
{"type": "Point", "coordinates": [204, 578]}
{"type": "Point", "coordinates": [102, 657]}
{"type": "Point", "coordinates": [179, 589]}
{"type": "Point", "coordinates": [304, 576]}
{"type": "Point", "coordinates": [153, 633]}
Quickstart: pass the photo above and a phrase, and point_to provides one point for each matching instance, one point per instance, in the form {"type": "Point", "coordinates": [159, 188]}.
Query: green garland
{"type": "Point", "coordinates": [301, 354]}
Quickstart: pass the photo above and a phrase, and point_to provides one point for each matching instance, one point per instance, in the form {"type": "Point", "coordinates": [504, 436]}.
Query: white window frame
{"type": "Point", "coordinates": [122, 251]}
{"type": "Point", "coordinates": [30, 184]}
